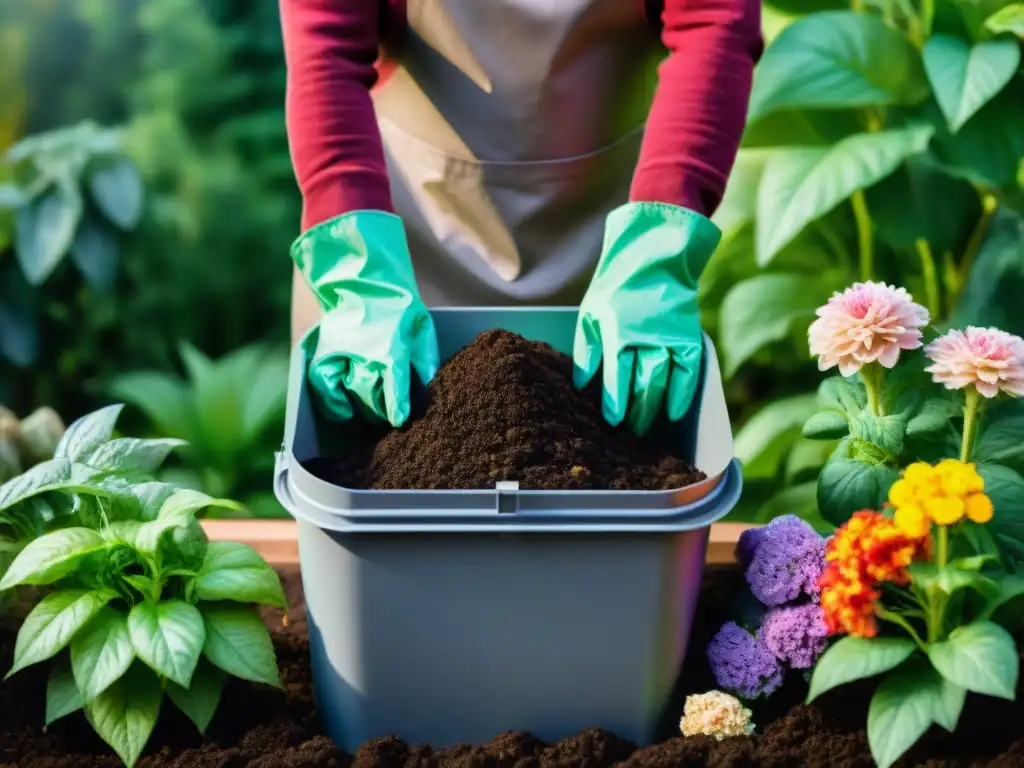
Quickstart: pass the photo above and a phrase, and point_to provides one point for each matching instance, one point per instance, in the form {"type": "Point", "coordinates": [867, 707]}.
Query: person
{"type": "Point", "coordinates": [529, 152]}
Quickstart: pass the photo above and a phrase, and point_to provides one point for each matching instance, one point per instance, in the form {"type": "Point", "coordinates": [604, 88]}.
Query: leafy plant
{"type": "Point", "coordinates": [883, 142]}
{"type": "Point", "coordinates": [67, 194]}
{"type": "Point", "coordinates": [231, 414]}
{"type": "Point", "coordinates": [139, 604]}
{"type": "Point", "coordinates": [938, 640]}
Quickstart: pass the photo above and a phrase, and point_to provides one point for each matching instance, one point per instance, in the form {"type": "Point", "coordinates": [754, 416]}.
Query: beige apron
{"type": "Point", "coordinates": [511, 128]}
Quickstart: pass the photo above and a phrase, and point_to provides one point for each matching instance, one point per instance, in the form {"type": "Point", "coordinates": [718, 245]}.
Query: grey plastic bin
{"type": "Point", "coordinates": [450, 616]}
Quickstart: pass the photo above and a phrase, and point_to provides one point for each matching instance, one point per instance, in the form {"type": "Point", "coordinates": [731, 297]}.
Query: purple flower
{"type": "Point", "coordinates": [796, 634]}
{"type": "Point", "coordinates": [749, 541]}
{"type": "Point", "coordinates": [787, 562]}
{"type": "Point", "coordinates": [742, 664]}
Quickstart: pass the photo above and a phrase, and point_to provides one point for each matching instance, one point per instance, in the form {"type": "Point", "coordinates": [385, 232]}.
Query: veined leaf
{"type": "Point", "coordinates": [168, 637]}
{"type": "Point", "coordinates": [235, 571]}
{"type": "Point", "coordinates": [835, 60]}
{"type": "Point", "coordinates": [801, 185]}
{"type": "Point", "coordinates": [966, 77]}
{"type": "Point", "coordinates": [52, 556]}
{"type": "Point", "coordinates": [124, 715]}
{"type": "Point", "coordinates": [101, 653]}
{"type": "Point", "coordinates": [49, 626]}
{"type": "Point", "coordinates": [86, 434]}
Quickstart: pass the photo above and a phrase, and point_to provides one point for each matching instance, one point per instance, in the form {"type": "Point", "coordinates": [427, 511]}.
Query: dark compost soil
{"type": "Point", "coordinates": [505, 408]}
{"type": "Point", "coordinates": [262, 728]}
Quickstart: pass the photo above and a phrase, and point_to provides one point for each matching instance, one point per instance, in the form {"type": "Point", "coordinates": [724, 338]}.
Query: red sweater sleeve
{"type": "Point", "coordinates": [330, 48]}
{"type": "Point", "coordinates": [700, 106]}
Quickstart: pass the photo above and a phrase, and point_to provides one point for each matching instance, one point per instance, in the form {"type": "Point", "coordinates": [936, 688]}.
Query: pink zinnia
{"type": "Point", "coordinates": [990, 359]}
{"type": "Point", "coordinates": [866, 323]}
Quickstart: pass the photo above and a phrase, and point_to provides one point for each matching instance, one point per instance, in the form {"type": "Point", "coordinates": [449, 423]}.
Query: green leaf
{"type": "Point", "coordinates": [151, 497]}
{"type": "Point", "coordinates": [987, 150]}
{"type": "Point", "coordinates": [86, 434]}
{"type": "Point", "coordinates": [1000, 440]}
{"type": "Point", "coordinates": [739, 204]}
{"type": "Point", "coordinates": [130, 454]}
{"type": "Point", "coordinates": [826, 425]}
{"type": "Point", "coordinates": [901, 711]}
{"type": "Point", "coordinates": [101, 653]}
{"type": "Point", "coordinates": [62, 696]}
{"type": "Point", "coordinates": [847, 485]}
{"type": "Point", "coordinates": [94, 253]}
{"type": "Point", "coordinates": [1009, 19]}
{"type": "Point", "coordinates": [238, 642]}
{"type": "Point", "coordinates": [966, 77]}
{"type": "Point", "coordinates": [855, 658]}
{"type": "Point", "coordinates": [996, 279]}
{"type": "Point", "coordinates": [933, 418]}
{"type": "Point", "coordinates": [165, 400]}
{"type": "Point", "coordinates": [980, 657]}
{"type": "Point", "coordinates": [52, 556]}
{"type": "Point", "coordinates": [168, 637]}
{"type": "Point", "coordinates": [951, 579]}
{"type": "Point", "coordinates": [903, 207]}
{"type": "Point", "coordinates": [199, 701]}
{"type": "Point", "coordinates": [837, 60]}
{"type": "Point", "coordinates": [49, 626]}
{"type": "Point", "coordinates": [763, 309]}
{"type": "Point", "coordinates": [801, 185]}
{"type": "Point", "coordinates": [887, 432]}
{"type": "Point", "coordinates": [235, 571]}
{"type": "Point", "coordinates": [1010, 587]}
{"type": "Point", "coordinates": [1005, 488]}
{"type": "Point", "coordinates": [117, 190]}
{"type": "Point", "coordinates": [44, 229]}
{"type": "Point", "coordinates": [48, 474]}
{"type": "Point", "coordinates": [763, 441]}
{"type": "Point", "coordinates": [264, 401]}
{"type": "Point", "coordinates": [949, 703]}
{"type": "Point", "coordinates": [843, 394]}
{"type": "Point", "coordinates": [125, 714]}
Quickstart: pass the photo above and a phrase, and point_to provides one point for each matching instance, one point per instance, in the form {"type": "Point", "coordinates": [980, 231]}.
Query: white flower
{"type": "Point", "coordinates": [715, 714]}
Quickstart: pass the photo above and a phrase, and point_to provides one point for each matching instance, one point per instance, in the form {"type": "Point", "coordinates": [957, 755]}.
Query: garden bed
{"type": "Point", "coordinates": [263, 728]}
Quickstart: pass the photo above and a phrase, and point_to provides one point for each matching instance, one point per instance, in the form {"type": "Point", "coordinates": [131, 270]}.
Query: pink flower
{"type": "Point", "coordinates": [866, 323]}
{"type": "Point", "coordinates": [990, 359]}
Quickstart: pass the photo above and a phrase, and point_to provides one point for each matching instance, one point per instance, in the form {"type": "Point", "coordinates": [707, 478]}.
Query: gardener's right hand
{"type": "Point", "coordinates": [376, 332]}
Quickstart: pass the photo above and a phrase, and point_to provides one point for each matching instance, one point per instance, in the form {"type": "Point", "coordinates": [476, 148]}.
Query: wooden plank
{"type": "Point", "coordinates": [276, 540]}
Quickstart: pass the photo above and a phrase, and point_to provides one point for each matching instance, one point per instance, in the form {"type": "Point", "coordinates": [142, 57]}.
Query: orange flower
{"type": "Point", "coordinates": [868, 550]}
{"type": "Point", "coordinates": [848, 605]}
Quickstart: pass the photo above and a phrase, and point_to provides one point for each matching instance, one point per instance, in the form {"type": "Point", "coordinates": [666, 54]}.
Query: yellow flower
{"type": "Point", "coordinates": [979, 508]}
{"type": "Point", "coordinates": [945, 510]}
{"type": "Point", "coordinates": [944, 494]}
{"type": "Point", "coordinates": [918, 473]}
{"type": "Point", "coordinates": [903, 493]}
{"type": "Point", "coordinates": [912, 521]}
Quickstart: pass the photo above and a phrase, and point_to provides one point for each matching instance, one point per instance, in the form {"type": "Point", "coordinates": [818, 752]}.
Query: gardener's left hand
{"type": "Point", "coordinates": [639, 318]}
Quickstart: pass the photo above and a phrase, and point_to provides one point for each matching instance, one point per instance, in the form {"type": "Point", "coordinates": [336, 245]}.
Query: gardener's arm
{"type": "Point", "coordinates": [700, 107]}
{"type": "Point", "coordinates": [330, 48]}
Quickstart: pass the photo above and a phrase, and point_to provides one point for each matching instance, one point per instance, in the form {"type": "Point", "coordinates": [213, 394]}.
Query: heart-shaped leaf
{"type": "Point", "coordinates": [966, 77]}
{"type": "Point", "coordinates": [836, 60]}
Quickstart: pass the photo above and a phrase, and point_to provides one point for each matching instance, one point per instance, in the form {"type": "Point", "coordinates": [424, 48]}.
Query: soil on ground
{"type": "Point", "coordinates": [505, 408]}
{"type": "Point", "coordinates": [259, 727]}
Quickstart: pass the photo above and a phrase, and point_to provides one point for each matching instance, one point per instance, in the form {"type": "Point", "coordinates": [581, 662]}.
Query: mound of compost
{"type": "Point", "coordinates": [505, 408]}
{"type": "Point", "coordinates": [259, 727]}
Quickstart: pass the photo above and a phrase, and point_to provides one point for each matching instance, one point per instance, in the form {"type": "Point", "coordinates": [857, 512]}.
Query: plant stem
{"type": "Point", "coordinates": [973, 401]}
{"type": "Point", "coordinates": [864, 242]}
{"type": "Point", "coordinates": [931, 278]}
{"type": "Point", "coordinates": [927, 17]}
{"type": "Point", "coordinates": [895, 618]}
{"type": "Point", "coordinates": [989, 203]}
{"type": "Point", "coordinates": [871, 375]}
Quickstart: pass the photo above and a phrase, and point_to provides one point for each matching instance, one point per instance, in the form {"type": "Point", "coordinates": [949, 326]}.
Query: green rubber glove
{"type": "Point", "coordinates": [639, 316]}
{"type": "Point", "coordinates": [376, 330]}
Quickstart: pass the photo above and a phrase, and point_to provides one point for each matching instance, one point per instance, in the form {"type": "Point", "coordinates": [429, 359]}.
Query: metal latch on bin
{"type": "Point", "coordinates": [507, 496]}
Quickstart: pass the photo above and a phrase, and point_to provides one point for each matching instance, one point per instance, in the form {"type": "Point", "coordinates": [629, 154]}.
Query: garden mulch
{"type": "Point", "coordinates": [505, 408]}
{"type": "Point", "coordinates": [264, 728]}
